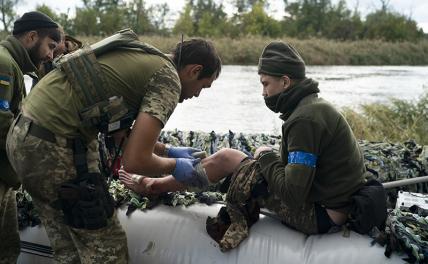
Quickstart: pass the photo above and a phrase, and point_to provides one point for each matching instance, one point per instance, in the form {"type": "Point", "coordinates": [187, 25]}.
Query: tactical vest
{"type": "Point", "coordinates": [86, 77]}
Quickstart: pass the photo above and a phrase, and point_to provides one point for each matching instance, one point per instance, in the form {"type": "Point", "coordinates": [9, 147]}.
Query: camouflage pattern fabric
{"type": "Point", "coordinates": [390, 162]}
{"type": "Point", "coordinates": [14, 62]}
{"type": "Point", "coordinates": [9, 237]}
{"type": "Point", "coordinates": [42, 167]}
{"type": "Point", "coordinates": [241, 208]}
{"type": "Point", "coordinates": [84, 73]}
{"type": "Point", "coordinates": [406, 232]}
{"type": "Point", "coordinates": [301, 218]}
{"type": "Point", "coordinates": [163, 93]}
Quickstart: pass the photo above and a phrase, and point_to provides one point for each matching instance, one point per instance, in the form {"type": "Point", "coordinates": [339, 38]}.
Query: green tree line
{"type": "Point", "coordinates": [207, 18]}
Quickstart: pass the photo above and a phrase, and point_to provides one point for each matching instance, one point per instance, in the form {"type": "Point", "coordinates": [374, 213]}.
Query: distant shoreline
{"type": "Point", "coordinates": [246, 50]}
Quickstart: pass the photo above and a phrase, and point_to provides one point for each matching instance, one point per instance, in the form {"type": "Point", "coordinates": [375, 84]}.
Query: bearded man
{"type": "Point", "coordinates": [34, 38]}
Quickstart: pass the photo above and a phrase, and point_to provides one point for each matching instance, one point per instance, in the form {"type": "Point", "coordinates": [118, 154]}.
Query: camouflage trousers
{"type": "Point", "coordinates": [301, 218]}
{"type": "Point", "coordinates": [42, 167]}
{"type": "Point", "coordinates": [232, 224]}
{"type": "Point", "coordinates": [9, 236]}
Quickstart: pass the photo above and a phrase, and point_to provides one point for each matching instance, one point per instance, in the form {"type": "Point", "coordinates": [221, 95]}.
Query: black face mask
{"type": "Point", "coordinates": [272, 102]}
{"type": "Point", "coordinates": [286, 101]}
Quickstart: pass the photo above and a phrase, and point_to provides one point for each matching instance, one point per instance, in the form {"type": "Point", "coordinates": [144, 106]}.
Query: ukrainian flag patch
{"type": "Point", "coordinates": [4, 105]}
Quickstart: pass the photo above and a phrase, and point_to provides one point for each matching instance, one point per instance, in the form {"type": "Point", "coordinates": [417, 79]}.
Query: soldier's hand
{"type": "Point", "coordinates": [185, 171]}
{"type": "Point", "coordinates": [181, 152]}
{"type": "Point", "coordinates": [260, 150]}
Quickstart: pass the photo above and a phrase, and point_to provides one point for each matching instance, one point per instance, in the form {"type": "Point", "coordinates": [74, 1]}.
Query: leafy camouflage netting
{"type": "Point", "coordinates": [386, 161]}
{"type": "Point", "coordinates": [406, 232]}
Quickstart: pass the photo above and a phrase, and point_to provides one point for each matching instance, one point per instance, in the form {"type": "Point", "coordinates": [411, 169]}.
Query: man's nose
{"type": "Point", "coordinates": [50, 55]}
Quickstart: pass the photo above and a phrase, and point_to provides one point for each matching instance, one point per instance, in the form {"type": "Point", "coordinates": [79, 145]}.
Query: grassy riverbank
{"type": "Point", "coordinates": [246, 51]}
{"type": "Point", "coordinates": [397, 121]}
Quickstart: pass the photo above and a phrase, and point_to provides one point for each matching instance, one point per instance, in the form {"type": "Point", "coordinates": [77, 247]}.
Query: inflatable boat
{"type": "Point", "coordinates": [170, 235]}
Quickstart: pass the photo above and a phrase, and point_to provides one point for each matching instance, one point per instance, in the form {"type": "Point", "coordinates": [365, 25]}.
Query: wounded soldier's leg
{"type": "Point", "coordinates": [222, 163]}
{"type": "Point", "coordinates": [216, 166]}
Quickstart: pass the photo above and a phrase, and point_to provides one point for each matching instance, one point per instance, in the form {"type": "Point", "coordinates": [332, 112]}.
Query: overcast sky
{"type": "Point", "coordinates": [416, 9]}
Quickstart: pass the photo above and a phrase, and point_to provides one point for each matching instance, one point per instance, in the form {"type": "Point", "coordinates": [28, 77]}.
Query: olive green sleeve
{"type": "Point", "coordinates": [6, 115]}
{"type": "Point", "coordinates": [292, 182]}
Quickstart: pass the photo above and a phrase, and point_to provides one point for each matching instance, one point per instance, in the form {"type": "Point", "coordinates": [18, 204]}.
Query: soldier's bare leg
{"type": "Point", "coordinates": [217, 166]}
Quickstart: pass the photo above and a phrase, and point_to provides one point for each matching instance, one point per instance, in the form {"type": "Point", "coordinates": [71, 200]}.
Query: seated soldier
{"type": "Point", "coordinates": [308, 184]}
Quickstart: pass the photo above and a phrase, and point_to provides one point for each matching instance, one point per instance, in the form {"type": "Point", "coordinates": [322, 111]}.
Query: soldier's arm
{"type": "Point", "coordinates": [160, 100]}
{"type": "Point", "coordinates": [292, 180]}
{"type": "Point", "coordinates": [6, 115]}
{"type": "Point", "coordinates": [139, 156]}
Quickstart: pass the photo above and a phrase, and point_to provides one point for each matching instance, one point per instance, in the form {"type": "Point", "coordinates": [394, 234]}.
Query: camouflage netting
{"type": "Point", "coordinates": [386, 161]}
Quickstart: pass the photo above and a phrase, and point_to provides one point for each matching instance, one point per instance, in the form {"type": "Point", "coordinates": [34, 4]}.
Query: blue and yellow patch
{"type": "Point", "coordinates": [303, 158]}
{"type": "Point", "coordinates": [4, 105]}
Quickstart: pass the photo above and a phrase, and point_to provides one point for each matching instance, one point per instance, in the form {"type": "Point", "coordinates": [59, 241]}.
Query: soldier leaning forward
{"type": "Point", "coordinates": [34, 38]}
{"type": "Point", "coordinates": [53, 144]}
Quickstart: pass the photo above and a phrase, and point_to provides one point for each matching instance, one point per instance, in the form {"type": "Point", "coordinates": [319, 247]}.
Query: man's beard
{"type": "Point", "coordinates": [33, 52]}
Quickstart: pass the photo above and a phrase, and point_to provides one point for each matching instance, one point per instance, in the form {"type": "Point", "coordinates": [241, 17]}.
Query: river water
{"type": "Point", "coordinates": [234, 101]}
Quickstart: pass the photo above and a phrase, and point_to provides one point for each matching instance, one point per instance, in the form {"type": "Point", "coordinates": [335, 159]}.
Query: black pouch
{"type": "Point", "coordinates": [368, 208]}
{"type": "Point", "coordinates": [86, 202]}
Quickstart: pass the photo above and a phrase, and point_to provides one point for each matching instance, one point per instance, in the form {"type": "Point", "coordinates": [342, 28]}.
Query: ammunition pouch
{"type": "Point", "coordinates": [86, 202]}
{"type": "Point", "coordinates": [108, 115]}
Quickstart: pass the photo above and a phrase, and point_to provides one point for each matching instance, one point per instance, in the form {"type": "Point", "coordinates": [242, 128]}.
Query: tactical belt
{"type": "Point", "coordinates": [41, 132]}
{"type": "Point", "coordinates": [85, 200]}
{"type": "Point", "coordinates": [76, 144]}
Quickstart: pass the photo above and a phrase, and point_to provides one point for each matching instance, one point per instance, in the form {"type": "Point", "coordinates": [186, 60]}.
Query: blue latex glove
{"type": "Point", "coordinates": [181, 152]}
{"type": "Point", "coordinates": [185, 171]}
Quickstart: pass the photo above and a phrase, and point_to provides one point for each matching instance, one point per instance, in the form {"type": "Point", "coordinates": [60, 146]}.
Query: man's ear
{"type": "Point", "coordinates": [287, 81]}
{"type": "Point", "coordinates": [33, 35]}
{"type": "Point", "coordinates": [195, 70]}
{"type": "Point", "coordinates": [30, 38]}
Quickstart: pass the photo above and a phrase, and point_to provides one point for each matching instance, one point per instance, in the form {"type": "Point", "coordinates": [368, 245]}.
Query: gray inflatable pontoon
{"type": "Point", "coordinates": [172, 235]}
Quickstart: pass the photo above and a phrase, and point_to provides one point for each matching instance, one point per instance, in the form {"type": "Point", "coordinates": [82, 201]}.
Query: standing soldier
{"type": "Point", "coordinates": [53, 144]}
{"type": "Point", "coordinates": [34, 38]}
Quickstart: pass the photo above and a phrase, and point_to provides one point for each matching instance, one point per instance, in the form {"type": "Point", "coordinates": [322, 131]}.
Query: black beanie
{"type": "Point", "coordinates": [31, 21]}
{"type": "Point", "coordinates": [279, 58]}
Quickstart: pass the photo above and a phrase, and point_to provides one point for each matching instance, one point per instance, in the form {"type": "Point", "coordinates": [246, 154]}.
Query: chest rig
{"type": "Point", "coordinates": [85, 75]}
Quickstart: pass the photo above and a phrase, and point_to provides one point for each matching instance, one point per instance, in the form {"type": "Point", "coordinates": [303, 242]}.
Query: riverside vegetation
{"type": "Point", "coordinates": [246, 50]}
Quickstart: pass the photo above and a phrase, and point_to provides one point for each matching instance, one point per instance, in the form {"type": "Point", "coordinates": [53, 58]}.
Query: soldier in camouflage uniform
{"type": "Point", "coordinates": [34, 38]}
{"type": "Point", "coordinates": [151, 85]}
